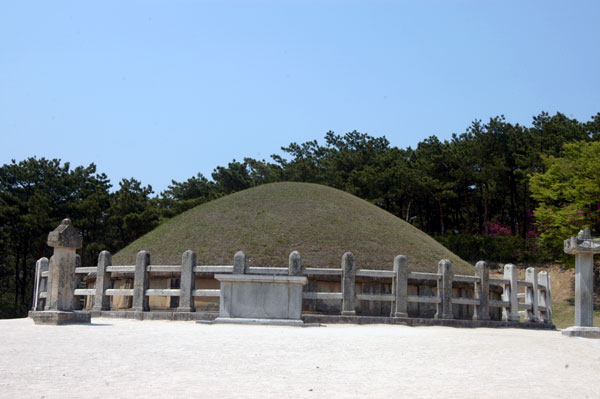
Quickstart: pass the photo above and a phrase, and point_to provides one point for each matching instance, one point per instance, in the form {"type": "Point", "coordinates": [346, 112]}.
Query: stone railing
{"type": "Point", "coordinates": [531, 298]}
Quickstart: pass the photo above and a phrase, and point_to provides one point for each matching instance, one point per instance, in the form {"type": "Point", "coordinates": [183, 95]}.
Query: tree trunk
{"type": "Point", "coordinates": [486, 229]}
{"type": "Point", "coordinates": [16, 282]}
{"type": "Point", "coordinates": [439, 201]}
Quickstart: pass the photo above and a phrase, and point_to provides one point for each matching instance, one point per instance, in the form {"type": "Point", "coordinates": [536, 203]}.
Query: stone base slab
{"type": "Point", "coordinates": [318, 319]}
{"type": "Point", "coordinates": [262, 322]}
{"type": "Point", "coordinates": [583, 332]}
{"type": "Point", "coordinates": [57, 318]}
{"type": "Point", "coordinates": [156, 315]}
{"type": "Point", "coordinates": [421, 322]}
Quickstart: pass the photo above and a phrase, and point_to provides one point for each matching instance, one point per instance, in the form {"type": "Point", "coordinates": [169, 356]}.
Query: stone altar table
{"type": "Point", "coordinates": [261, 299]}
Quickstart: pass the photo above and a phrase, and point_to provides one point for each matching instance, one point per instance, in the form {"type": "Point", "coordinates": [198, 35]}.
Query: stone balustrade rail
{"type": "Point", "coordinates": [529, 299]}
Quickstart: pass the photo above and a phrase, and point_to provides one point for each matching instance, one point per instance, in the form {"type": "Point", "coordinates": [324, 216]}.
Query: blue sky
{"type": "Point", "coordinates": [161, 90]}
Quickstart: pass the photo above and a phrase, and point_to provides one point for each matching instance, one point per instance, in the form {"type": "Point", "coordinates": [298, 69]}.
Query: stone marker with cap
{"type": "Point", "coordinates": [584, 246]}
{"type": "Point", "coordinates": [65, 240]}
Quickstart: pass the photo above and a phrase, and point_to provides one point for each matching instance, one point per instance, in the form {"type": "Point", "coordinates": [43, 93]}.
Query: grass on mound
{"type": "Point", "coordinates": [270, 221]}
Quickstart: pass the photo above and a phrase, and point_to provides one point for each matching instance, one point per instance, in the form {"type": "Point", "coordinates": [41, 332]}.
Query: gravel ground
{"type": "Point", "coordinates": [128, 358]}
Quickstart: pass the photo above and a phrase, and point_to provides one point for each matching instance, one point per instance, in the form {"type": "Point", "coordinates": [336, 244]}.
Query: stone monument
{"type": "Point", "coordinates": [65, 240]}
{"type": "Point", "coordinates": [583, 247]}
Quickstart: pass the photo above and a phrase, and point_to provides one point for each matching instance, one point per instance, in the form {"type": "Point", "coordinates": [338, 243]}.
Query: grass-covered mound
{"type": "Point", "coordinates": [270, 221]}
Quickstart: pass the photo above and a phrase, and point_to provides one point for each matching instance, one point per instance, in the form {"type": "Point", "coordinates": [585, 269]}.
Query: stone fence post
{"type": "Point", "coordinates": [531, 296]}
{"type": "Point", "coordinates": [239, 263]}
{"type": "Point", "coordinates": [295, 264]}
{"type": "Point", "coordinates": [103, 282]}
{"type": "Point", "coordinates": [444, 309]}
{"type": "Point", "coordinates": [511, 289]}
{"type": "Point", "coordinates": [187, 282]}
{"type": "Point", "coordinates": [141, 282]}
{"type": "Point", "coordinates": [77, 305]}
{"type": "Point", "coordinates": [549, 299]}
{"type": "Point", "coordinates": [39, 284]}
{"type": "Point", "coordinates": [400, 287]}
{"type": "Point", "coordinates": [348, 278]}
{"type": "Point", "coordinates": [543, 281]}
{"type": "Point", "coordinates": [482, 291]}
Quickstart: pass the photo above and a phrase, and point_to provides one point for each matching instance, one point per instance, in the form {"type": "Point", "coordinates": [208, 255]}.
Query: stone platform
{"type": "Point", "coordinates": [423, 322]}
{"type": "Point", "coordinates": [320, 319]}
{"type": "Point", "coordinates": [260, 322]}
{"type": "Point", "coordinates": [583, 332]}
{"type": "Point", "coordinates": [57, 317]}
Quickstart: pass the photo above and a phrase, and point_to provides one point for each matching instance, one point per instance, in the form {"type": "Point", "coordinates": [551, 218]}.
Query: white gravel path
{"type": "Point", "coordinates": [126, 358]}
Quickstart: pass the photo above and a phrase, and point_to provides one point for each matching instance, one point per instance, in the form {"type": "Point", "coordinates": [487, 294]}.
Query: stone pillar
{"type": "Point", "coordinates": [39, 284]}
{"type": "Point", "coordinates": [531, 296]}
{"type": "Point", "coordinates": [188, 282]}
{"type": "Point", "coordinates": [543, 298]}
{"type": "Point", "coordinates": [103, 282]}
{"type": "Point", "coordinates": [348, 278]}
{"type": "Point", "coordinates": [239, 263]}
{"type": "Point", "coordinates": [584, 289]}
{"type": "Point", "coordinates": [76, 280]}
{"type": "Point", "coordinates": [511, 290]}
{"type": "Point", "coordinates": [65, 240]}
{"type": "Point", "coordinates": [400, 283]}
{"type": "Point", "coordinates": [295, 264]}
{"type": "Point", "coordinates": [549, 300]}
{"type": "Point", "coordinates": [444, 309]}
{"type": "Point", "coordinates": [482, 292]}
{"type": "Point", "coordinates": [141, 282]}
{"type": "Point", "coordinates": [584, 246]}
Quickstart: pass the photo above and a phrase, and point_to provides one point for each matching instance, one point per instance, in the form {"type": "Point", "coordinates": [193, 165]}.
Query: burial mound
{"type": "Point", "coordinates": [269, 221]}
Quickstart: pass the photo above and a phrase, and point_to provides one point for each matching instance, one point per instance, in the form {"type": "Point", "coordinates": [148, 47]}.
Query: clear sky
{"type": "Point", "coordinates": [161, 90]}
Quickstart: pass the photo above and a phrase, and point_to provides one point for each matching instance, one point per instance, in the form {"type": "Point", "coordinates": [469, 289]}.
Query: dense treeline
{"type": "Point", "coordinates": [472, 192]}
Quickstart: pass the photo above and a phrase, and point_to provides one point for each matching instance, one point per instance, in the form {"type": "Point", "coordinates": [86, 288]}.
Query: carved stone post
{"type": "Point", "coordinates": [400, 306]}
{"type": "Point", "coordinates": [444, 309]}
{"type": "Point", "coordinates": [239, 263]}
{"type": "Point", "coordinates": [543, 297]}
{"type": "Point", "coordinates": [583, 247]}
{"type": "Point", "coordinates": [187, 286]}
{"type": "Point", "coordinates": [77, 302]}
{"type": "Point", "coordinates": [549, 300]}
{"type": "Point", "coordinates": [103, 282]}
{"type": "Point", "coordinates": [348, 278]}
{"type": "Point", "coordinates": [511, 289]}
{"type": "Point", "coordinates": [65, 240]}
{"type": "Point", "coordinates": [295, 264]}
{"type": "Point", "coordinates": [141, 282]}
{"type": "Point", "coordinates": [532, 298]}
{"type": "Point", "coordinates": [39, 284]}
{"type": "Point", "coordinates": [482, 291]}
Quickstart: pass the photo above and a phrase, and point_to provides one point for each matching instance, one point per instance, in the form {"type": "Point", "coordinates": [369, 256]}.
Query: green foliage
{"type": "Point", "coordinates": [36, 194]}
{"type": "Point", "coordinates": [568, 194]}
{"type": "Point", "coordinates": [509, 248]}
{"type": "Point", "coordinates": [133, 213]}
